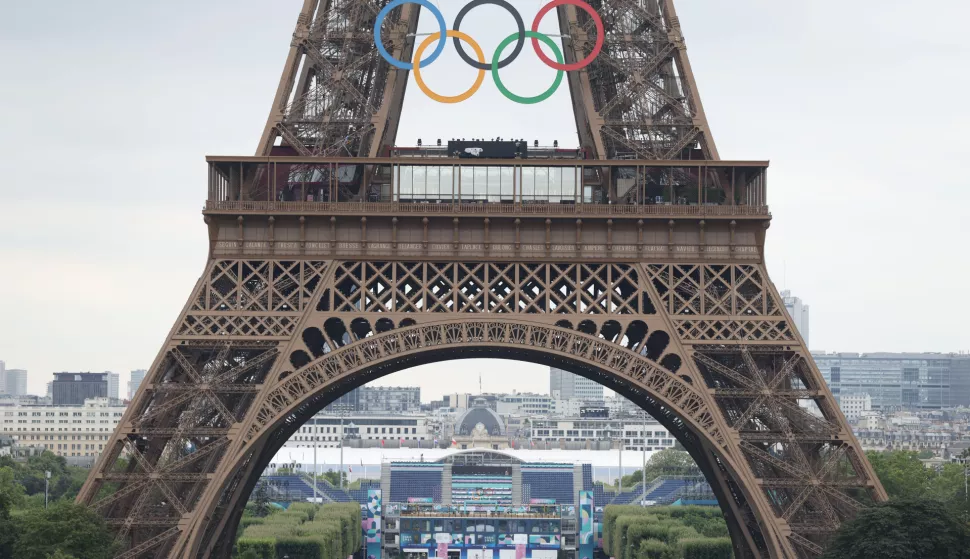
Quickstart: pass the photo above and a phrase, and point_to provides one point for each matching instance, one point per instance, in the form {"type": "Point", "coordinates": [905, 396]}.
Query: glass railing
{"type": "Point", "coordinates": [437, 185]}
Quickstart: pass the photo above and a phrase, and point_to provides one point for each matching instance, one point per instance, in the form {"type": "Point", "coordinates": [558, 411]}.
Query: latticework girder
{"type": "Point", "coordinates": [693, 331]}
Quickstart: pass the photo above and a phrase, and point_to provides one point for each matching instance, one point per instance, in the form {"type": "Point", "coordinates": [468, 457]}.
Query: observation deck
{"type": "Point", "coordinates": [447, 185]}
{"type": "Point", "coordinates": [429, 205]}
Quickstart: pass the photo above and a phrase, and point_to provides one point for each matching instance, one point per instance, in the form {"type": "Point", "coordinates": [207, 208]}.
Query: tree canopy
{"type": "Point", "coordinates": [667, 462]}
{"type": "Point", "coordinates": [902, 529]}
{"type": "Point", "coordinates": [64, 528]}
{"type": "Point", "coordinates": [905, 477]}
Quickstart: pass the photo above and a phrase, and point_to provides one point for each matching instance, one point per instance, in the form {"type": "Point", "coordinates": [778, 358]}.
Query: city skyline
{"type": "Point", "coordinates": [87, 245]}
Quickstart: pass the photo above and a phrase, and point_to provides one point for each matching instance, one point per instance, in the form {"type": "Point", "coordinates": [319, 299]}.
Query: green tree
{"type": "Point", "coordinates": [66, 528]}
{"type": "Point", "coordinates": [334, 477]}
{"type": "Point", "coordinates": [902, 529]}
{"type": "Point", "coordinates": [11, 495]}
{"type": "Point", "coordinates": [667, 462]}
{"type": "Point", "coordinates": [901, 473]}
{"type": "Point", "coordinates": [260, 505]}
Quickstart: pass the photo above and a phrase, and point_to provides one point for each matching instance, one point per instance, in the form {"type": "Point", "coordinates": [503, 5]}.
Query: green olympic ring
{"type": "Point", "coordinates": [512, 96]}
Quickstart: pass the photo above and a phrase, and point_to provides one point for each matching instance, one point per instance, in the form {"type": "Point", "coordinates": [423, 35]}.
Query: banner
{"type": "Point", "coordinates": [371, 524]}
{"type": "Point", "coordinates": [586, 535]}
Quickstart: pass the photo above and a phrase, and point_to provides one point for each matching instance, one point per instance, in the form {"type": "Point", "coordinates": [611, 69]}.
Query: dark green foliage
{"type": "Point", "coordinates": [667, 462]}
{"type": "Point", "coordinates": [11, 495]}
{"type": "Point", "coordinates": [65, 480]}
{"type": "Point", "coordinates": [654, 549]}
{"type": "Point", "coordinates": [304, 531]}
{"type": "Point", "coordinates": [632, 532]}
{"type": "Point", "coordinates": [707, 548]}
{"type": "Point", "coordinates": [262, 548]}
{"type": "Point", "coordinates": [259, 506]}
{"type": "Point", "coordinates": [65, 527]}
{"type": "Point", "coordinates": [902, 529]}
{"type": "Point", "coordinates": [334, 478]}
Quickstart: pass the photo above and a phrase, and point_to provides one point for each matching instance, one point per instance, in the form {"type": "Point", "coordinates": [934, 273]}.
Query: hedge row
{"type": "Point", "coordinates": [632, 532]}
{"type": "Point", "coordinates": [304, 531]}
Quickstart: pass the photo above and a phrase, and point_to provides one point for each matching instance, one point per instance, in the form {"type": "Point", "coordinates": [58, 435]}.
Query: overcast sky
{"type": "Point", "coordinates": [108, 107]}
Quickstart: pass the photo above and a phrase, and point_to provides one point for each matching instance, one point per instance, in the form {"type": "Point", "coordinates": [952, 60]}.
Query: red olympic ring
{"type": "Point", "coordinates": [596, 48]}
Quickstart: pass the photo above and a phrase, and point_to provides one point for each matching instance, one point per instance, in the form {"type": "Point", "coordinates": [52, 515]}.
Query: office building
{"type": "Point", "coordinates": [899, 381]}
{"type": "Point", "coordinates": [78, 433]}
{"type": "Point", "coordinates": [114, 380]}
{"type": "Point", "coordinates": [524, 404]}
{"type": "Point", "coordinates": [382, 399]}
{"type": "Point", "coordinates": [799, 313]}
{"type": "Point", "coordinates": [564, 385]}
{"type": "Point", "coordinates": [15, 382]}
{"type": "Point", "coordinates": [378, 399]}
{"type": "Point", "coordinates": [137, 376]}
{"type": "Point", "coordinates": [362, 431]}
{"type": "Point", "coordinates": [855, 405]}
{"type": "Point", "coordinates": [72, 389]}
{"type": "Point", "coordinates": [635, 433]}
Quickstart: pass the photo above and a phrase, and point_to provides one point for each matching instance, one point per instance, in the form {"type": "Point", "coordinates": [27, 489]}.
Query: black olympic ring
{"type": "Point", "coordinates": [518, 44]}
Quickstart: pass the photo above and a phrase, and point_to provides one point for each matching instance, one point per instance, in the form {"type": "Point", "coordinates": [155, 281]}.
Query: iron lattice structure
{"type": "Point", "coordinates": [338, 97]}
{"type": "Point", "coordinates": [300, 302]}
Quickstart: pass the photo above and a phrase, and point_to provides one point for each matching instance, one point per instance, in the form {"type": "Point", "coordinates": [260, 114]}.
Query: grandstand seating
{"type": "Point", "coordinates": [587, 477]}
{"type": "Point", "coordinates": [628, 496]}
{"type": "Point", "coordinates": [335, 494]}
{"type": "Point", "coordinates": [291, 487]}
{"type": "Point", "coordinates": [299, 488]}
{"type": "Point", "coordinates": [415, 483]}
{"type": "Point", "coordinates": [667, 489]}
{"type": "Point", "coordinates": [548, 482]}
{"type": "Point", "coordinates": [600, 496]}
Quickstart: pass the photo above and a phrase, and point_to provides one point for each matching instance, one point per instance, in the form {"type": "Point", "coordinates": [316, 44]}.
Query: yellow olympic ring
{"type": "Point", "coordinates": [417, 67]}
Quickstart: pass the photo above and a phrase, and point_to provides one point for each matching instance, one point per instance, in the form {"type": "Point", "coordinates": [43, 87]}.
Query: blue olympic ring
{"type": "Point", "coordinates": [380, 45]}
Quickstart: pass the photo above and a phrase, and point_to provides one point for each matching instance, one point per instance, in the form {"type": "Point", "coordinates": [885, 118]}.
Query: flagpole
{"type": "Point", "coordinates": [315, 495]}
{"type": "Point", "coordinates": [341, 478]}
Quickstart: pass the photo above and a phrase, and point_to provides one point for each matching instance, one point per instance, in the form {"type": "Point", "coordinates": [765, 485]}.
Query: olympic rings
{"type": "Point", "coordinates": [599, 34]}
{"type": "Point", "coordinates": [380, 45]}
{"type": "Point", "coordinates": [498, 81]}
{"type": "Point", "coordinates": [481, 65]}
{"type": "Point", "coordinates": [457, 35]}
{"type": "Point", "coordinates": [518, 22]}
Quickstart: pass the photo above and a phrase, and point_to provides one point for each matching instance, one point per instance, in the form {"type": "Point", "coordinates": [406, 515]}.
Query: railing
{"type": "Point", "coordinates": [496, 186]}
{"type": "Point", "coordinates": [482, 208]}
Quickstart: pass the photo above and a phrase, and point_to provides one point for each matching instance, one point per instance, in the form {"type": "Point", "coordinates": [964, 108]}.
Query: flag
{"type": "Point", "coordinates": [382, 442]}
{"type": "Point", "coordinates": [436, 441]}
{"type": "Point", "coordinates": [454, 442]}
{"type": "Point", "coordinates": [350, 469]}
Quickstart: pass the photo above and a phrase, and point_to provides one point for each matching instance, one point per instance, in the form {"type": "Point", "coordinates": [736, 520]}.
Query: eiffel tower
{"type": "Point", "coordinates": [336, 258]}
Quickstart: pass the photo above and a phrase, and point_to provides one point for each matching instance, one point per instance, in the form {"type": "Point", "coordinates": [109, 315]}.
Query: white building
{"type": "Point", "coordinates": [137, 376]}
{"type": "Point", "coordinates": [854, 405]}
{"type": "Point", "coordinates": [634, 433]}
{"type": "Point", "coordinates": [620, 406]}
{"type": "Point", "coordinates": [78, 432]}
{"type": "Point", "coordinates": [15, 382]}
{"type": "Point", "coordinates": [369, 430]}
{"type": "Point", "coordinates": [564, 385]}
{"type": "Point", "coordinates": [524, 404]}
{"type": "Point", "coordinates": [114, 381]}
{"type": "Point", "coordinates": [459, 401]}
{"type": "Point", "coordinates": [567, 408]}
{"type": "Point", "coordinates": [798, 311]}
